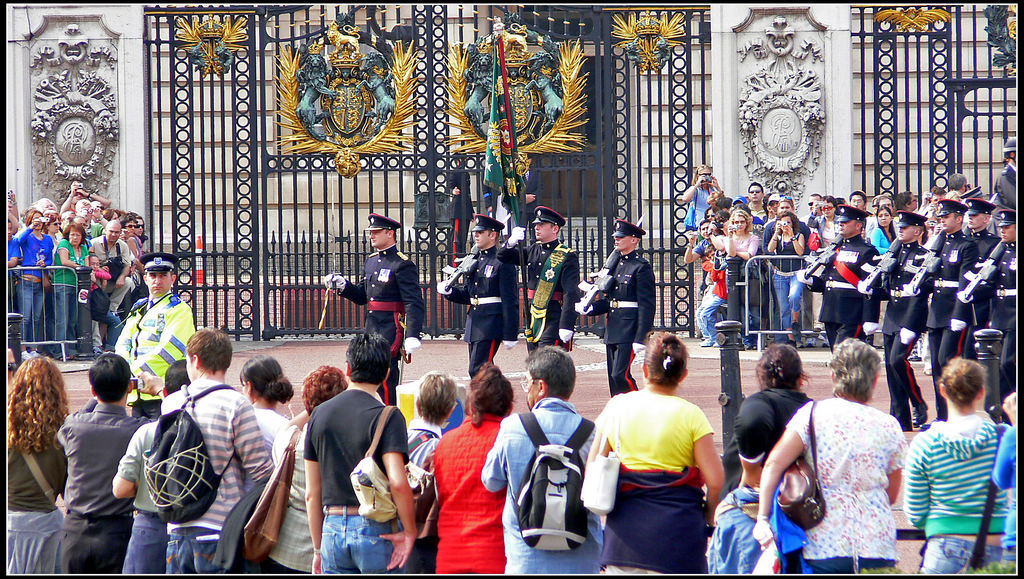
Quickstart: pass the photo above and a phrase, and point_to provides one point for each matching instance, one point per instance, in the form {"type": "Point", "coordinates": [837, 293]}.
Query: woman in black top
{"type": "Point", "coordinates": [787, 240]}
{"type": "Point", "coordinates": [759, 425]}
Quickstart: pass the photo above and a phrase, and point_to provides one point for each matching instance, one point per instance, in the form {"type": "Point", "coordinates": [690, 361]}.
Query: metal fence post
{"type": "Point", "coordinates": [14, 335]}
{"type": "Point", "coordinates": [732, 390]}
{"type": "Point", "coordinates": [989, 346]}
{"type": "Point", "coordinates": [733, 267]}
{"type": "Point", "coordinates": [84, 274]}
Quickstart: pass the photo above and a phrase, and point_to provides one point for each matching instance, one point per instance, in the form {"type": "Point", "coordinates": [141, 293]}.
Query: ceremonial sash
{"type": "Point", "coordinates": [545, 288]}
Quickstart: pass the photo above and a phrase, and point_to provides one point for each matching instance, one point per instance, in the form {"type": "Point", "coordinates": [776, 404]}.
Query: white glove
{"type": "Point", "coordinates": [863, 287]}
{"type": "Point", "coordinates": [515, 236]}
{"type": "Point", "coordinates": [565, 335]}
{"type": "Point", "coordinates": [870, 328]}
{"type": "Point", "coordinates": [509, 343]}
{"type": "Point", "coordinates": [335, 281]}
{"type": "Point", "coordinates": [763, 533]}
{"type": "Point", "coordinates": [907, 336]}
{"type": "Point", "coordinates": [801, 276]}
{"type": "Point", "coordinates": [411, 345]}
{"type": "Point", "coordinates": [907, 290]}
{"type": "Point", "coordinates": [442, 290]}
{"type": "Point", "coordinates": [957, 325]}
{"type": "Point", "coordinates": [638, 348]}
{"type": "Point", "coordinates": [583, 311]}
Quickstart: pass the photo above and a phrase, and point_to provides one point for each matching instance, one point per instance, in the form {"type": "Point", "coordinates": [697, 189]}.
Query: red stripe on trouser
{"type": "Point", "coordinates": [629, 379]}
{"type": "Point", "coordinates": [960, 343]}
{"type": "Point", "coordinates": [915, 390]}
{"type": "Point", "coordinates": [856, 334]}
{"type": "Point", "coordinates": [490, 355]}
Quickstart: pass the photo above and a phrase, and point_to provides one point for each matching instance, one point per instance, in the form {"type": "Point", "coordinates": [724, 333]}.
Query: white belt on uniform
{"type": "Point", "coordinates": [839, 284]}
{"type": "Point", "coordinates": [482, 301]}
{"type": "Point", "coordinates": [946, 283]}
{"type": "Point", "coordinates": [618, 304]}
{"type": "Point", "coordinates": [1007, 293]}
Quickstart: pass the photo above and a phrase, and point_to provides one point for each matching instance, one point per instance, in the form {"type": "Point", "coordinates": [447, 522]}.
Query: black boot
{"type": "Point", "coordinates": [798, 341]}
{"type": "Point", "coordinates": [920, 414]}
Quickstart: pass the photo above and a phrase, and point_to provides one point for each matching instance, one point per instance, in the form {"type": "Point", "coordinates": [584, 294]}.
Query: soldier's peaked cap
{"type": "Point", "coordinates": [909, 218]}
{"type": "Point", "coordinates": [1006, 217]}
{"type": "Point", "coordinates": [624, 228]}
{"type": "Point", "coordinates": [378, 221]}
{"type": "Point", "coordinates": [159, 261]}
{"type": "Point", "coordinates": [485, 223]}
{"type": "Point", "coordinates": [947, 206]}
{"type": "Point", "coordinates": [846, 213]}
{"type": "Point", "coordinates": [548, 215]}
{"type": "Point", "coordinates": [976, 206]}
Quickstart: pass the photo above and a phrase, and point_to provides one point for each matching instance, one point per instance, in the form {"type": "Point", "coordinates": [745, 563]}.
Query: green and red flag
{"type": "Point", "coordinates": [499, 173]}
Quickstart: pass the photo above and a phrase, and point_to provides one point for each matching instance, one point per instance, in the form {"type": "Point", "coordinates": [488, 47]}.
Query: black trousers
{"type": "Point", "coordinates": [480, 353]}
{"type": "Point", "coordinates": [1008, 364]}
{"type": "Point", "coordinates": [546, 341]}
{"type": "Point", "coordinates": [899, 374]}
{"type": "Point", "coordinates": [94, 544]}
{"type": "Point", "coordinates": [147, 409]}
{"type": "Point", "coordinates": [620, 358]}
{"type": "Point", "coordinates": [944, 345]}
{"type": "Point", "coordinates": [836, 333]}
{"type": "Point", "coordinates": [388, 390]}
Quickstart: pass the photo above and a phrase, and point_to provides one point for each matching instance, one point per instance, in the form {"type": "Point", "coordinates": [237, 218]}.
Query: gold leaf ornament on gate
{"type": "Point", "coordinates": [211, 44]}
{"type": "Point", "coordinates": [647, 38]}
{"type": "Point", "coordinates": [546, 89]}
{"type": "Point", "coordinates": [335, 99]}
{"type": "Point", "coordinates": [912, 19]}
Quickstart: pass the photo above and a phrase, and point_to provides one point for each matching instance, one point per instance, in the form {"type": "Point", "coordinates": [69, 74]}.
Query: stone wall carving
{"type": "Point", "coordinates": [74, 124]}
{"type": "Point", "coordinates": [781, 109]}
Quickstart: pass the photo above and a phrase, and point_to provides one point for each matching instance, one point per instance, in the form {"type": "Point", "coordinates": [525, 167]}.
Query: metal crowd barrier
{"type": "Point", "coordinates": [768, 299]}
{"type": "Point", "coordinates": [46, 329]}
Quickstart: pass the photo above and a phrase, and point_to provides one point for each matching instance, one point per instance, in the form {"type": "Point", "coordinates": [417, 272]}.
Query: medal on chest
{"type": "Point", "coordinates": [954, 255]}
{"type": "Point", "coordinates": [847, 256]}
{"type": "Point", "coordinates": [489, 270]}
{"type": "Point", "coordinates": [384, 275]}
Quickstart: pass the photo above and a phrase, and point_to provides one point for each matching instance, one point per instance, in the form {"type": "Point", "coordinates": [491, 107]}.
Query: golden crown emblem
{"type": "Point", "coordinates": [648, 25]}
{"type": "Point", "coordinates": [316, 48]}
{"type": "Point", "coordinates": [211, 29]}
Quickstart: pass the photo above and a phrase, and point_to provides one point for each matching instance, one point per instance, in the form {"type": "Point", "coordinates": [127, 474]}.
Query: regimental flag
{"type": "Point", "coordinates": [500, 174]}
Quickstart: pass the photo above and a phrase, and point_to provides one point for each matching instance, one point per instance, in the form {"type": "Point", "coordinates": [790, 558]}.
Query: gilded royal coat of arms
{"type": "Point", "coordinates": [336, 99]}
{"type": "Point", "coordinates": [546, 90]}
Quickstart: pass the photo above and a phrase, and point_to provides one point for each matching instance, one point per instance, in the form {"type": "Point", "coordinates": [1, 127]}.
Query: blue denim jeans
{"type": "Point", "coordinates": [191, 550]}
{"type": "Point", "coordinates": [114, 327]}
{"type": "Point", "coordinates": [706, 315]}
{"type": "Point", "coordinates": [66, 305]}
{"type": "Point", "coordinates": [31, 306]}
{"type": "Point", "coordinates": [33, 541]}
{"type": "Point", "coordinates": [147, 549]}
{"type": "Point", "coordinates": [789, 293]}
{"type": "Point", "coordinates": [844, 565]}
{"type": "Point", "coordinates": [949, 555]}
{"type": "Point", "coordinates": [353, 544]}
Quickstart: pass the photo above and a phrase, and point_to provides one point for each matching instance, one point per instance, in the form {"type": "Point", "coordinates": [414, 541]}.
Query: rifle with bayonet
{"type": "Point", "coordinates": [466, 265]}
{"type": "Point", "coordinates": [930, 266]}
{"type": "Point", "coordinates": [987, 270]}
{"type": "Point", "coordinates": [885, 266]}
{"type": "Point", "coordinates": [817, 264]}
{"type": "Point", "coordinates": [603, 281]}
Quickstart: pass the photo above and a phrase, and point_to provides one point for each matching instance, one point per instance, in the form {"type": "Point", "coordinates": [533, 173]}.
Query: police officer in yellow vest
{"type": "Point", "coordinates": [156, 331]}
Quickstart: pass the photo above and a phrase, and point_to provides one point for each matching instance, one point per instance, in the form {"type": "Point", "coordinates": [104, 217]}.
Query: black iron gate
{"type": "Point", "coordinates": [273, 222]}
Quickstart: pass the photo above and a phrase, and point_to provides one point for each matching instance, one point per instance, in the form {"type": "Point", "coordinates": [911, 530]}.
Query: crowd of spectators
{"type": "Point", "coordinates": [91, 508]}
{"type": "Point", "coordinates": [85, 231]}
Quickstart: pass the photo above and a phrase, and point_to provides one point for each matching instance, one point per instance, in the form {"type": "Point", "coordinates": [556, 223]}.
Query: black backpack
{"type": "Point", "coordinates": [549, 507]}
{"type": "Point", "coordinates": [179, 472]}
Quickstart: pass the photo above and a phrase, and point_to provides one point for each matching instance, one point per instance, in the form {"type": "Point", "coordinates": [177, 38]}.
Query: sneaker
{"type": "Point", "coordinates": [29, 354]}
{"type": "Point", "coordinates": [96, 350]}
{"type": "Point", "coordinates": [913, 358]}
{"type": "Point", "coordinates": [927, 369]}
{"type": "Point", "coordinates": [707, 343]}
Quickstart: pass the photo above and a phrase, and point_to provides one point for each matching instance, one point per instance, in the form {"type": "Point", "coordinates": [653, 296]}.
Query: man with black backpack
{"type": "Point", "coordinates": [233, 447]}
{"type": "Point", "coordinates": [539, 457]}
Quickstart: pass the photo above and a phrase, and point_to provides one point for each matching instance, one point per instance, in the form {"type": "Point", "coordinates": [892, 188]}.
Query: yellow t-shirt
{"type": "Point", "coordinates": [651, 431]}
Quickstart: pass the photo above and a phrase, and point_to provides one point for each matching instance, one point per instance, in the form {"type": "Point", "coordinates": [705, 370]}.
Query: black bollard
{"type": "Point", "coordinates": [14, 336]}
{"type": "Point", "coordinates": [732, 389]}
{"type": "Point", "coordinates": [733, 271]}
{"type": "Point", "coordinates": [84, 314]}
{"type": "Point", "coordinates": [989, 344]}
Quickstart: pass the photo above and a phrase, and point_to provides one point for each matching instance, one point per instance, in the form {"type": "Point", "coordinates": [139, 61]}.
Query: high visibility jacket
{"type": "Point", "coordinates": [155, 336]}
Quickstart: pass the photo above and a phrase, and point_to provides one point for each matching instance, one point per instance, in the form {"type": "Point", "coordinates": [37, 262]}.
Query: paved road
{"type": "Point", "coordinates": [702, 387]}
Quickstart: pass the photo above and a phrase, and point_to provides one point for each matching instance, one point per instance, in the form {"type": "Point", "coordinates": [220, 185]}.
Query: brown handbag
{"type": "Point", "coordinates": [261, 532]}
{"type": "Point", "coordinates": [800, 495]}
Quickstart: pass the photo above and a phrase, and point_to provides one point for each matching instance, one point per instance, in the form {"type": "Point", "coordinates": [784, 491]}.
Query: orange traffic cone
{"type": "Point", "coordinates": [200, 274]}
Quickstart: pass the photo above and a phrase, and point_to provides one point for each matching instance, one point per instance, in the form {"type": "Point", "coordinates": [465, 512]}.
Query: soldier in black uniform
{"type": "Point", "coordinates": [1004, 301]}
{"type": "Point", "coordinates": [553, 267]}
{"type": "Point", "coordinates": [391, 288]}
{"type": "Point", "coordinates": [979, 215]}
{"type": "Point", "coordinates": [490, 291]}
{"type": "Point", "coordinates": [948, 317]}
{"type": "Point", "coordinates": [1006, 185]}
{"type": "Point", "coordinates": [630, 308]}
{"type": "Point", "coordinates": [905, 319]}
{"type": "Point", "coordinates": [845, 312]}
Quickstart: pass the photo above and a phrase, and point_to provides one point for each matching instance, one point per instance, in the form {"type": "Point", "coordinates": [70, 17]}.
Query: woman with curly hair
{"type": "Point", "coordinates": [469, 520]}
{"type": "Point", "coordinates": [36, 408]}
{"type": "Point", "coordinates": [294, 550]}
